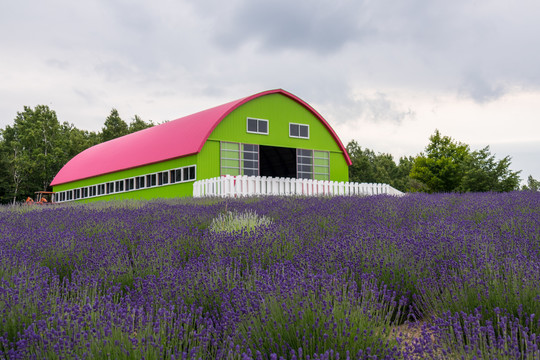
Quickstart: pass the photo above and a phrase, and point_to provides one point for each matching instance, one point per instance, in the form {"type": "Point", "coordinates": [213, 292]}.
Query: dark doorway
{"type": "Point", "coordinates": [277, 161]}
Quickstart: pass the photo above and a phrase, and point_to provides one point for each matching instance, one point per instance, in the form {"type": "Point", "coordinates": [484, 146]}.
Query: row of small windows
{"type": "Point", "coordinates": [261, 126]}
{"type": "Point", "coordinates": [173, 176]}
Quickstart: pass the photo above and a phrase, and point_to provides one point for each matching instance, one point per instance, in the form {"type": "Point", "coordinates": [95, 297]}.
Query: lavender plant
{"type": "Point", "coordinates": [326, 278]}
{"type": "Point", "coordinates": [234, 221]}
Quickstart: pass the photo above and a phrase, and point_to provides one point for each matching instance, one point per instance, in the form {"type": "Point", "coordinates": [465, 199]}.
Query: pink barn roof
{"type": "Point", "coordinates": [176, 138]}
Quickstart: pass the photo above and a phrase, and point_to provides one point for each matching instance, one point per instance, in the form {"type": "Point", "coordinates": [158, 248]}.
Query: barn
{"type": "Point", "coordinates": [273, 133]}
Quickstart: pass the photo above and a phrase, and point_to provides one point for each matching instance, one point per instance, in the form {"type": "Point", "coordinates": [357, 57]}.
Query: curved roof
{"type": "Point", "coordinates": [176, 138]}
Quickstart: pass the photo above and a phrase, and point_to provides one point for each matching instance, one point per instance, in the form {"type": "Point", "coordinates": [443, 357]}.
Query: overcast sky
{"type": "Point", "coordinates": [386, 73]}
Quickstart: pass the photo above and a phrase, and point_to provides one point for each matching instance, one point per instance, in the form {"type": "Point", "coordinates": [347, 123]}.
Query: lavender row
{"type": "Point", "coordinates": [326, 278]}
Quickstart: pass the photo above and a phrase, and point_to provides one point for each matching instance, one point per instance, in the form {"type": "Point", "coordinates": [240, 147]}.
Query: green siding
{"type": "Point", "coordinates": [339, 170]}
{"type": "Point", "coordinates": [208, 161]}
{"type": "Point", "coordinates": [279, 110]}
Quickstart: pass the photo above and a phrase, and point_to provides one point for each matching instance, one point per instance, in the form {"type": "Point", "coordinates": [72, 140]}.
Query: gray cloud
{"type": "Point", "coordinates": [219, 50]}
{"type": "Point", "coordinates": [379, 107]}
{"type": "Point", "coordinates": [481, 89]}
{"type": "Point", "coordinates": [316, 26]}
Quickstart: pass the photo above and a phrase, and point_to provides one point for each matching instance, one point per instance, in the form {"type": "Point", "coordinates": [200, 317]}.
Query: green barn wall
{"type": "Point", "coordinates": [208, 160]}
{"type": "Point", "coordinates": [278, 109]}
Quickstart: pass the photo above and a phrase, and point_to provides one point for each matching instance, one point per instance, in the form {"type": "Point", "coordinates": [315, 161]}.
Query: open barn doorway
{"type": "Point", "coordinates": [277, 161]}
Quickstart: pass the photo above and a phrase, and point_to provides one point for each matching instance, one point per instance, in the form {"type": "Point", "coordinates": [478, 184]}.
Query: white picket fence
{"type": "Point", "coordinates": [235, 186]}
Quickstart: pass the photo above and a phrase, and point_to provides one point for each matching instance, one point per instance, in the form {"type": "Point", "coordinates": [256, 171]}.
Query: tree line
{"type": "Point", "coordinates": [37, 145]}
{"type": "Point", "coordinates": [445, 165]}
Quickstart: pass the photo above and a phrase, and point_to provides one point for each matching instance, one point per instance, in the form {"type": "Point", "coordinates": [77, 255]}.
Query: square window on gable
{"type": "Point", "coordinates": [257, 126]}
{"type": "Point", "coordinates": [299, 131]}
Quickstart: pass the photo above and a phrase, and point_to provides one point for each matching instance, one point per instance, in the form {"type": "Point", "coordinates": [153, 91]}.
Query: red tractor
{"type": "Point", "coordinates": [42, 198]}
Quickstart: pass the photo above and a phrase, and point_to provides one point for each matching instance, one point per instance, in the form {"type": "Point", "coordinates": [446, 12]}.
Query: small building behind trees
{"type": "Point", "coordinates": [273, 133]}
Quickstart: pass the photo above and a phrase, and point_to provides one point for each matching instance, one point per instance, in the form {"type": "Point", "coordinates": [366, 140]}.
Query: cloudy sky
{"type": "Point", "coordinates": [385, 73]}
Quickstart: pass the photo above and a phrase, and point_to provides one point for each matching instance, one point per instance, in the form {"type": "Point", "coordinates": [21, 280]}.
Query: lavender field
{"type": "Point", "coordinates": [418, 277]}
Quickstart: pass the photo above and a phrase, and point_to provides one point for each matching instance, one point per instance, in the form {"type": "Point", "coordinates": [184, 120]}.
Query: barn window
{"type": "Point", "coordinates": [250, 160]}
{"type": "Point", "coordinates": [299, 131]}
{"type": "Point", "coordinates": [163, 178]}
{"type": "Point", "coordinates": [257, 126]}
{"type": "Point", "coordinates": [178, 173]}
{"type": "Point", "coordinates": [189, 173]}
{"type": "Point", "coordinates": [139, 182]}
{"type": "Point", "coordinates": [321, 165]}
{"type": "Point", "coordinates": [304, 164]}
{"type": "Point", "coordinates": [239, 159]}
{"type": "Point", "coordinates": [151, 180]}
{"type": "Point", "coordinates": [119, 186]}
{"type": "Point", "coordinates": [110, 187]}
{"type": "Point", "coordinates": [130, 184]}
{"type": "Point", "coordinates": [230, 158]}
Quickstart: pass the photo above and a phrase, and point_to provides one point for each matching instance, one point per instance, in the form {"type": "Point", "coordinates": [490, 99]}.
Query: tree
{"type": "Point", "coordinates": [138, 124]}
{"type": "Point", "coordinates": [114, 127]}
{"type": "Point", "coordinates": [33, 151]}
{"type": "Point", "coordinates": [369, 167]}
{"type": "Point", "coordinates": [78, 140]}
{"type": "Point", "coordinates": [363, 164]}
{"type": "Point", "coordinates": [440, 169]}
{"type": "Point", "coordinates": [448, 166]}
{"type": "Point", "coordinates": [532, 184]}
{"type": "Point", "coordinates": [484, 173]}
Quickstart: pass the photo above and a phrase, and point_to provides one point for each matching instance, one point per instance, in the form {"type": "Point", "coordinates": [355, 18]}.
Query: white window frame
{"type": "Point", "coordinates": [299, 126]}
{"type": "Point", "coordinates": [258, 121]}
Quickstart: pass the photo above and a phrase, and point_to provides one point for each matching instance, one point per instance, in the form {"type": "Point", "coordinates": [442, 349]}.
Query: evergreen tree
{"type": "Point", "coordinates": [114, 127]}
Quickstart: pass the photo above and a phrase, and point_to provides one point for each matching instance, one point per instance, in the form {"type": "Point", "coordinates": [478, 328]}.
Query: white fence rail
{"type": "Point", "coordinates": [233, 186]}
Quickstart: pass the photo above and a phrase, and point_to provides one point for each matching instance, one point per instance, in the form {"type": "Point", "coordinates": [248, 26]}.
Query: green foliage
{"type": "Point", "coordinates": [114, 127]}
{"type": "Point", "coordinates": [442, 166]}
{"type": "Point", "coordinates": [484, 173]}
{"type": "Point", "coordinates": [33, 150]}
{"type": "Point", "coordinates": [532, 184]}
{"type": "Point", "coordinates": [138, 124]}
{"type": "Point", "coordinates": [78, 140]}
{"type": "Point", "coordinates": [368, 167]}
{"type": "Point", "coordinates": [450, 166]}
